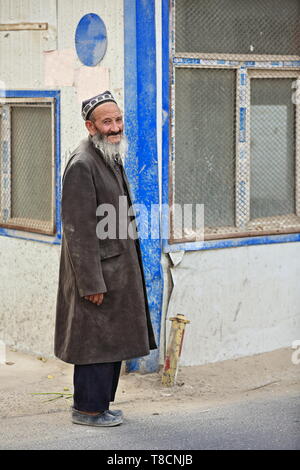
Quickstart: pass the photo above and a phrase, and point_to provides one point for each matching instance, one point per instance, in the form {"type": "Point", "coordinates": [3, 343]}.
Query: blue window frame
{"type": "Point", "coordinates": [16, 107]}
{"type": "Point", "coordinates": [170, 63]}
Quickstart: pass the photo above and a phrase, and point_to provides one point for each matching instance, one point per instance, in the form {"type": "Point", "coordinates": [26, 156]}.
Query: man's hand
{"type": "Point", "coordinates": [95, 298]}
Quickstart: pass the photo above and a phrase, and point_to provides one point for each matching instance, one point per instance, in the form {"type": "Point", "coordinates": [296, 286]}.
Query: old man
{"type": "Point", "coordinates": [102, 315]}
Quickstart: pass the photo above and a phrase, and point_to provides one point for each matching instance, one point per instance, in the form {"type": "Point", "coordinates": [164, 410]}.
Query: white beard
{"type": "Point", "coordinates": [110, 151]}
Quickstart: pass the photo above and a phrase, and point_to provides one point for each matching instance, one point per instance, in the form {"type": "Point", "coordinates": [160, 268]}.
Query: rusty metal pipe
{"type": "Point", "coordinates": [174, 350]}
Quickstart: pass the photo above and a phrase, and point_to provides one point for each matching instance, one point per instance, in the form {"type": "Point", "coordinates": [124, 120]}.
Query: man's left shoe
{"type": "Point", "coordinates": [117, 413]}
{"type": "Point", "coordinates": [100, 419]}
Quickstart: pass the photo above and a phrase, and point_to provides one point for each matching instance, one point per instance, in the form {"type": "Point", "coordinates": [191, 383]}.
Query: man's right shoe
{"type": "Point", "coordinates": [118, 413]}
{"type": "Point", "coordinates": [104, 419]}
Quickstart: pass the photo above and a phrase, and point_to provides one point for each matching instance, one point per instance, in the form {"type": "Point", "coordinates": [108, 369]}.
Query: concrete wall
{"type": "Point", "coordinates": [240, 301]}
{"type": "Point", "coordinates": [46, 60]}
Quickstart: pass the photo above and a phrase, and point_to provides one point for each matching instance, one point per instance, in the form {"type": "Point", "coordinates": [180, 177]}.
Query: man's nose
{"type": "Point", "coordinates": [115, 127]}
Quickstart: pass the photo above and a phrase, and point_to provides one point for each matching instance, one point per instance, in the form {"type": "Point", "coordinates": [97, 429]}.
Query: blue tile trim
{"type": "Point", "coordinates": [142, 164]}
{"type": "Point", "coordinates": [56, 239]}
{"type": "Point", "coordinates": [29, 93]}
{"type": "Point", "coordinates": [230, 243]}
{"type": "Point", "coordinates": [48, 239]}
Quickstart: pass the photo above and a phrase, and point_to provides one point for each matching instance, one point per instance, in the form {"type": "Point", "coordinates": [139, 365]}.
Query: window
{"type": "Point", "coordinates": [238, 27]}
{"type": "Point", "coordinates": [235, 136]}
{"type": "Point", "coordinates": [27, 164]}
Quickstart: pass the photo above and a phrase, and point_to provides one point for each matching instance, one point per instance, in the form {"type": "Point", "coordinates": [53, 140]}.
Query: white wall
{"type": "Point", "coordinates": [42, 60]}
{"type": "Point", "coordinates": [240, 301]}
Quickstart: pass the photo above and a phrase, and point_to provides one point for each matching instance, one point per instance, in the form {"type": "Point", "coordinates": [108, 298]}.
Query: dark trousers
{"type": "Point", "coordinates": [95, 385]}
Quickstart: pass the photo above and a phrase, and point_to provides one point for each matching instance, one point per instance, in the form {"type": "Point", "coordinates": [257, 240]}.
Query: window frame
{"type": "Point", "coordinates": [52, 234]}
{"type": "Point", "coordinates": [246, 67]}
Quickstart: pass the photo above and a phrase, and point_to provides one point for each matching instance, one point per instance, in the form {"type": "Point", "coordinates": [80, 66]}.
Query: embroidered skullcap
{"type": "Point", "coordinates": [89, 105]}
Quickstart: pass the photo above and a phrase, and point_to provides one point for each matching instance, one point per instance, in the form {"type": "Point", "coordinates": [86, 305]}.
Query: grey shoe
{"type": "Point", "coordinates": [103, 419]}
{"type": "Point", "coordinates": [118, 413]}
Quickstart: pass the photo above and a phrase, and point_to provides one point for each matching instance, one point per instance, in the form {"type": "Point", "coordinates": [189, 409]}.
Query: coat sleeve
{"type": "Point", "coordinates": [79, 220]}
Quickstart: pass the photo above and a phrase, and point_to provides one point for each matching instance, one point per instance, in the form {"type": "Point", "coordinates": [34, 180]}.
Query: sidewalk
{"type": "Point", "coordinates": [200, 387]}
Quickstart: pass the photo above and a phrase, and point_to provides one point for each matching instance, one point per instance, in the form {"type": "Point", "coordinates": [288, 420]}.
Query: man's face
{"type": "Point", "coordinates": [107, 120]}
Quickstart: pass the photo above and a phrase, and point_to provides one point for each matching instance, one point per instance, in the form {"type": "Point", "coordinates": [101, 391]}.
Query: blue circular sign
{"type": "Point", "coordinates": [91, 39]}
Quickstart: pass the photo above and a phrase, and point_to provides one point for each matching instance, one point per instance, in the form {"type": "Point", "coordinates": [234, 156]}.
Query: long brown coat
{"type": "Point", "coordinates": [120, 328]}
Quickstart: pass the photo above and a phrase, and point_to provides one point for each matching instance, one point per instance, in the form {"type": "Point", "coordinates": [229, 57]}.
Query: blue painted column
{"type": "Point", "coordinates": [142, 164]}
{"type": "Point", "coordinates": [166, 74]}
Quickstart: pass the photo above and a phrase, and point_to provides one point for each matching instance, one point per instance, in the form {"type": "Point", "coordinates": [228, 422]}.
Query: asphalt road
{"type": "Point", "coordinates": [263, 423]}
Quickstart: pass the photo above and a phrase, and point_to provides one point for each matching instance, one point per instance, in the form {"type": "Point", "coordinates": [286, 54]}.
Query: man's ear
{"type": "Point", "coordinates": [91, 127]}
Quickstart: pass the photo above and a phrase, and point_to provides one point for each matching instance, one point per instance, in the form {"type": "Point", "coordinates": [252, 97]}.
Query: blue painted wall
{"type": "Point", "coordinates": [142, 164]}
{"type": "Point", "coordinates": [142, 167]}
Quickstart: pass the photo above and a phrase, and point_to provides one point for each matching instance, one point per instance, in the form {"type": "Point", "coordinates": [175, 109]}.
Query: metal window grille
{"type": "Point", "coordinates": [235, 125]}
{"type": "Point", "coordinates": [27, 164]}
{"type": "Point", "coordinates": [257, 27]}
